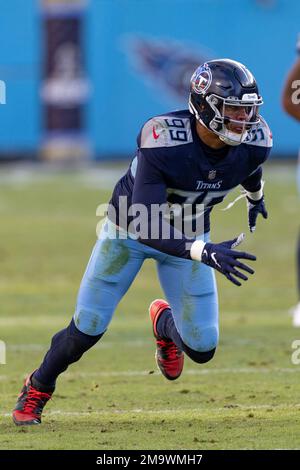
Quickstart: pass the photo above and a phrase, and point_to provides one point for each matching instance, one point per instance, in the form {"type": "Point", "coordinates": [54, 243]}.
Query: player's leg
{"type": "Point", "coordinates": [298, 247]}
{"type": "Point", "coordinates": [190, 320]}
{"type": "Point", "coordinates": [298, 266]}
{"type": "Point", "coordinates": [191, 291]}
{"type": "Point", "coordinates": [112, 268]}
{"type": "Point", "coordinates": [296, 310]}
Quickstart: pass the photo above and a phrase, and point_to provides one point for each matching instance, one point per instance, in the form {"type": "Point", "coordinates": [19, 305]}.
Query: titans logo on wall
{"type": "Point", "coordinates": [168, 62]}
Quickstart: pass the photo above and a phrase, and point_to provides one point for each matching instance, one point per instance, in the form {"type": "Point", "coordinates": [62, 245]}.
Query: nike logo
{"type": "Point", "coordinates": [213, 255]}
{"type": "Point", "coordinates": [156, 136]}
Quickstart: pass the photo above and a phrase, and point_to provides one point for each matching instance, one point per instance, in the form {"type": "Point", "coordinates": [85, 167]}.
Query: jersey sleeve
{"type": "Point", "coordinates": [252, 184]}
{"type": "Point", "coordinates": [158, 143]}
{"type": "Point", "coordinates": [165, 132]}
{"type": "Point", "coordinates": [260, 143]}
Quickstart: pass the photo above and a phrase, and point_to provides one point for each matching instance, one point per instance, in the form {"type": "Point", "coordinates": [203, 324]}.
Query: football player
{"type": "Point", "coordinates": [291, 104]}
{"type": "Point", "coordinates": [191, 158]}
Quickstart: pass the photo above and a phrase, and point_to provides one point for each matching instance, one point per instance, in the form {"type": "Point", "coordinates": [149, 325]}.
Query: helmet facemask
{"type": "Point", "coordinates": [234, 131]}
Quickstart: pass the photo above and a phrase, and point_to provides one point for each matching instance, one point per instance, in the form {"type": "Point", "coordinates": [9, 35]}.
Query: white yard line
{"type": "Point", "coordinates": [200, 371]}
{"type": "Point", "coordinates": [226, 408]}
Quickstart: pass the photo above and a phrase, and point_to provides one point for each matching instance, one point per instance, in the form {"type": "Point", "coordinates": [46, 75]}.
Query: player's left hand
{"type": "Point", "coordinates": [255, 208]}
{"type": "Point", "coordinates": [223, 258]}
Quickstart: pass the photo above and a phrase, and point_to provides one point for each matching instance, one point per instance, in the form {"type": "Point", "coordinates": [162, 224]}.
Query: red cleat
{"type": "Point", "coordinates": [169, 357]}
{"type": "Point", "coordinates": [30, 404]}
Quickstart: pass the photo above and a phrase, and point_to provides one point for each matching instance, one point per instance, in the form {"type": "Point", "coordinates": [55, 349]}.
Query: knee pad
{"type": "Point", "coordinates": [92, 321]}
{"type": "Point", "coordinates": [199, 356]}
{"type": "Point", "coordinates": [202, 339]}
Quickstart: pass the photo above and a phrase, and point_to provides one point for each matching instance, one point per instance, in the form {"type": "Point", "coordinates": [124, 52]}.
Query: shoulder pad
{"type": "Point", "coordinates": [166, 131]}
{"type": "Point", "coordinates": [262, 136]}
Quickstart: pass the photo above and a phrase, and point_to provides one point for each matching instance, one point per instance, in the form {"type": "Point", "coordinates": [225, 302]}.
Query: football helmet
{"type": "Point", "coordinates": [224, 97]}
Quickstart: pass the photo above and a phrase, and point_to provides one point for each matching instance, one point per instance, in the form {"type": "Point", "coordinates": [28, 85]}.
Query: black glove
{"type": "Point", "coordinates": [224, 259]}
{"type": "Point", "coordinates": [255, 208]}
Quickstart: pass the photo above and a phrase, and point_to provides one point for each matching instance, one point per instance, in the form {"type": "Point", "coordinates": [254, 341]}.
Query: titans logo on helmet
{"type": "Point", "coordinates": [201, 79]}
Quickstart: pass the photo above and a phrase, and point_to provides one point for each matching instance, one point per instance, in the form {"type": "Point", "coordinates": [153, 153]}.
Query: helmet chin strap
{"type": "Point", "coordinates": [230, 141]}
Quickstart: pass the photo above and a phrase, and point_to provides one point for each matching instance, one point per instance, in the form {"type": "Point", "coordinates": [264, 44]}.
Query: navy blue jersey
{"type": "Point", "coordinates": [173, 166]}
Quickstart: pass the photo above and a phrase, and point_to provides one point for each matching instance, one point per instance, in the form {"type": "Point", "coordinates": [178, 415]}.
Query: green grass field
{"type": "Point", "coordinates": [248, 397]}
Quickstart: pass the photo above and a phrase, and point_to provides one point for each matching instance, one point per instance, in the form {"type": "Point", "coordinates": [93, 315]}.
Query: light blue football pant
{"type": "Point", "coordinates": [189, 287]}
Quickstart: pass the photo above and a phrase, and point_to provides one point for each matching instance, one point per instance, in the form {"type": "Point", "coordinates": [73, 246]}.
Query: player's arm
{"type": "Point", "coordinates": [150, 189]}
{"type": "Point", "coordinates": [290, 96]}
{"type": "Point", "coordinates": [150, 193]}
{"type": "Point", "coordinates": [260, 147]}
{"type": "Point", "coordinates": [255, 198]}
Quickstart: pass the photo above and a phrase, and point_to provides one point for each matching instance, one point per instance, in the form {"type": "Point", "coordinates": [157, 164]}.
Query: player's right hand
{"type": "Point", "coordinates": [254, 209]}
{"type": "Point", "coordinates": [224, 259]}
